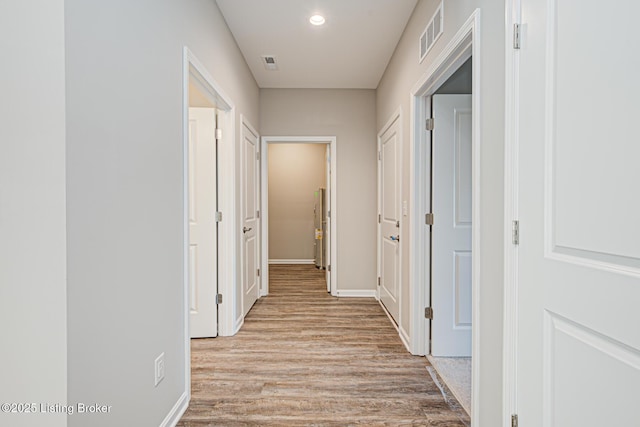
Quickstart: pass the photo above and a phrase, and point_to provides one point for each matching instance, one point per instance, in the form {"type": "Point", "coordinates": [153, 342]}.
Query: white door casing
{"type": "Point", "coordinates": [327, 208]}
{"type": "Point", "coordinates": [202, 223]}
{"type": "Point", "coordinates": [389, 175]}
{"type": "Point", "coordinates": [578, 259]}
{"type": "Point", "coordinates": [250, 204]}
{"type": "Point", "coordinates": [451, 232]}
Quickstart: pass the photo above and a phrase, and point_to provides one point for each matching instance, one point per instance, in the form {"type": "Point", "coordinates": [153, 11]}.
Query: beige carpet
{"type": "Point", "coordinates": [456, 373]}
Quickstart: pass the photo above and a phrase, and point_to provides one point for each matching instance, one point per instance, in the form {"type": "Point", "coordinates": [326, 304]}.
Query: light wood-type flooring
{"type": "Point", "coordinates": [305, 358]}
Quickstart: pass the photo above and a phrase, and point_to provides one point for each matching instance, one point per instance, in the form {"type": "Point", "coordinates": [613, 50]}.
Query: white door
{"type": "Point", "coordinates": [202, 223]}
{"type": "Point", "coordinates": [250, 220]}
{"type": "Point", "coordinates": [327, 208]}
{"type": "Point", "coordinates": [578, 346]}
{"type": "Point", "coordinates": [451, 232]}
{"type": "Point", "coordinates": [389, 227]}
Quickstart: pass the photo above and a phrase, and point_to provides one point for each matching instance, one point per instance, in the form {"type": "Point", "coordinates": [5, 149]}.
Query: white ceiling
{"type": "Point", "coordinates": [351, 50]}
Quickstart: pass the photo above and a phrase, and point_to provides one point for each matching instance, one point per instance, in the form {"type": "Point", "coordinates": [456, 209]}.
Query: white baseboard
{"type": "Point", "coordinates": [356, 293]}
{"type": "Point", "coordinates": [177, 411]}
{"type": "Point", "coordinates": [404, 337]}
{"type": "Point", "coordinates": [239, 324]}
{"type": "Point", "coordinates": [292, 261]}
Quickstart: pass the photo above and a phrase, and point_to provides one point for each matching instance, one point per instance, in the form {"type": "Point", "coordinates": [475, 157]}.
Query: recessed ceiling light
{"type": "Point", "coordinates": [317, 19]}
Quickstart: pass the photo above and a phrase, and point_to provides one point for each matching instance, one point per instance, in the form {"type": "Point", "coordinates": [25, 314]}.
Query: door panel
{"type": "Point", "coordinates": [389, 166]}
{"type": "Point", "coordinates": [202, 223]}
{"type": "Point", "coordinates": [451, 232]}
{"type": "Point", "coordinates": [250, 220]}
{"type": "Point", "coordinates": [579, 258]}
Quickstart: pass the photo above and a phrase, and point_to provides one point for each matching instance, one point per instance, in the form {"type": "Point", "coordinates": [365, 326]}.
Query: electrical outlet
{"type": "Point", "coordinates": [159, 368]}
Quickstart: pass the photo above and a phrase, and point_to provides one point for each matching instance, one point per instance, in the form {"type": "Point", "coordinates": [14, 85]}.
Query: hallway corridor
{"type": "Point", "coordinates": [304, 358]}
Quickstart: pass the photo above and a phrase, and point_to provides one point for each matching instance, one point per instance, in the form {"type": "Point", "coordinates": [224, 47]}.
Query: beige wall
{"type": "Point", "coordinates": [296, 171]}
{"type": "Point", "coordinates": [401, 75]}
{"type": "Point", "coordinates": [350, 116]}
{"type": "Point", "coordinates": [124, 88]}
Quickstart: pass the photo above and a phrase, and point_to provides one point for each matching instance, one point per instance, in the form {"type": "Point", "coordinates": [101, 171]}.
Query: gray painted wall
{"type": "Point", "coordinates": [124, 187]}
{"type": "Point", "coordinates": [459, 83]}
{"type": "Point", "coordinates": [402, 73]}
{"type": "Point", "coordinates": [350, 116]}
{"type": "Point", "coordinates": [296, 171]}
{"type": "Point", "coordinates": [33, 313]}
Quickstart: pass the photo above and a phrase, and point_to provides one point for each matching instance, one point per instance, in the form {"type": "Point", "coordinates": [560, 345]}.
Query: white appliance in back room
{"type": "Point", "coordinates": [320, 225]}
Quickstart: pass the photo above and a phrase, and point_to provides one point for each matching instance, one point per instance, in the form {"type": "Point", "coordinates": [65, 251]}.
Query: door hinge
{"type": "Point", "coordinates": [257, 214]}
{"type": "Point", "coordinates": [429, 124]}
{"type": "Point", "coordinates": [378, 281]}
{"type": "Point", "coordinates": [428, 218]}
{"type": "Point", "coordinates": [379, 218]}
{"type": "Point", "coordinates": [258, 156]}
{"type": "Point", "coordinates": [516, 36]}
{"type": "Point", "coordinates": [379, 155]}
{"type": "Point", "coordinates": [218, 299]}
{"type": "Point", "coordinates": [258, 272]}
{"type": "Point", "coordinates": [514, 420]}
{"type": "Point", "coordinates": [329, 267]}
{"type": "Point", "coordinates": [515, 232]}
{"type": "Point", "coordinates": [218, 134]}
{"type": "Point", "coordinates": [397, 224]}
{"type": "Point", "coordinates": [428, 313]}
{"type": "Point", "coordinates": [328, 214]}
{"type": "Point", "coordinates": [218, 216]}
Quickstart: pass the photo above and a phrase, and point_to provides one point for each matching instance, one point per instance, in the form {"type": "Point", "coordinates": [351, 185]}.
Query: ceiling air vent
{"type": "Point", "coordinates": [431, 34]}
{"type": "Point", "coordinates": [269, 62]}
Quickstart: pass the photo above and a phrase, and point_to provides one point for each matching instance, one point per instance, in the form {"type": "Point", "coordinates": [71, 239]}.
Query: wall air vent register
{"type": "Point", "coordinates": [431, 33]}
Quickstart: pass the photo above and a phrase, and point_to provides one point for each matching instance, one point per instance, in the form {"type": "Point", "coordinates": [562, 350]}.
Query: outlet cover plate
{"type": "Point", "coordinates": [159, 369]}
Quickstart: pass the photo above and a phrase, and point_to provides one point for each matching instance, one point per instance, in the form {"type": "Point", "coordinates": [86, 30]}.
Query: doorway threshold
{"type": "Point", "coordinates": [455, 372]}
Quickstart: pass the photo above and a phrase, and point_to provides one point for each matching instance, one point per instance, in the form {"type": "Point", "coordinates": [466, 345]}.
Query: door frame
{"type": "Point", "coordinates": [511, 202]}
{"type": "Point", "coordinates": [464, 45]}
{"type": "Point", "coordinates": [193, 70]}
{"type": "Point", "coordinates": [264, 204]}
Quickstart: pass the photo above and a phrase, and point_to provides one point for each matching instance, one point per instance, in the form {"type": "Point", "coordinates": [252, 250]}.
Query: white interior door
{"type": "Point", "coordinates": [451, 232]}
{"type": "Point", "coordinates": [202, 223]}
{"type": "Point", "coordinates": [578, 346]}
{"type": "Point", "coordinates": [327, 207]}
{"type": "Point", "coordinates": [389, 233]}
{"type": "Point", "coordinates": [250, 219]}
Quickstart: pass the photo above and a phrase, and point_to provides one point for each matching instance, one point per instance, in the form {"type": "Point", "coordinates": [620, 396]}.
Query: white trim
{"type": "Point", "coordinates": [466, 43]}
{"type": "Point", "coordinates": [227, 237]}
{"type": "Point", "coordinates": [264, 203]}
{"type": "Point", "coordinates": [356, 293]}
{"type": "Point", "coordinates": [404, 337]}
{"type": "Point", "coordinates": [292, 261]}
{"type": "Point", "coordinates": [178, 410]}
{"type": "Point", "coordinates": [185, 224]}
{"type": "Point", "coordinates": [238, 324]}
{"type": "Point", "coordinates": [510, 304]}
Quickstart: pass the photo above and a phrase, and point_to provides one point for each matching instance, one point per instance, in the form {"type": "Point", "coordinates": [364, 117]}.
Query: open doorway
{"type": "Point", "coordinates": [451, 251]}
{"type": "Point", "coordinates": [444, 224]}
{"type": "Point", "coordinates": [299, 204]}
{"type": "Point", "coordinates": [207, 153]}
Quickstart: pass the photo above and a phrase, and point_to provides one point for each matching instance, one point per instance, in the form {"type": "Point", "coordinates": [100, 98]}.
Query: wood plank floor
{"type": "Point", "coordinates": [304, 358]}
